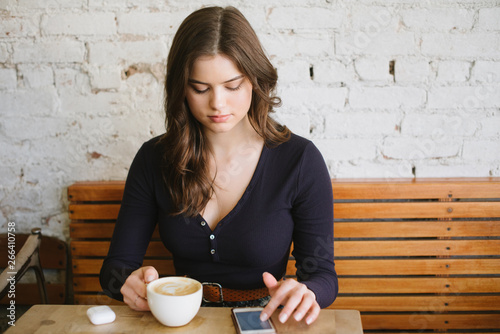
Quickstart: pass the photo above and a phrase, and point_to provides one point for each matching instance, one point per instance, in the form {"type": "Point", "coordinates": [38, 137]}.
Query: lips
{"type": "Point", "coordinates": [219, 118]}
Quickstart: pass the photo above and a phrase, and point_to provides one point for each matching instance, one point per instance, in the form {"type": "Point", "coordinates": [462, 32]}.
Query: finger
{"type": "Point", "coordinates": [278, 298]}
{"type": "Point", "coordinates": [304, 307]}
{"type": "Point", "coordinates": [141, 304]}
{"type": "Point", "coordinates": [295, 298]}
{"type": "Point", "coordinates": [313, 313]}
{"type": "Point", "coordinates": [149, 274]}
{"type": "Point", "coordinates": [269, 280]}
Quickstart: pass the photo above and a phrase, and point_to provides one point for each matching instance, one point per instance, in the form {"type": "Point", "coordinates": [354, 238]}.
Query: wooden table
{"type": "Point", "coordinates": [209, 320]}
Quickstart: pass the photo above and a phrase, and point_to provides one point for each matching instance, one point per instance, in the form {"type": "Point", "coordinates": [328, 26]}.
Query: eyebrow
{"type": "Point", "coordinates": [204, 83]}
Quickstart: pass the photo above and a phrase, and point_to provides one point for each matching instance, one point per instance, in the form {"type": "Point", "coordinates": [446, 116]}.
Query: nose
{"type": "Point", "coordinates": [217, 99]}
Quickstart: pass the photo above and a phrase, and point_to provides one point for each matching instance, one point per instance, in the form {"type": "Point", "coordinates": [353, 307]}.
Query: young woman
{"type": "Point", "coordinates": [228, 186]}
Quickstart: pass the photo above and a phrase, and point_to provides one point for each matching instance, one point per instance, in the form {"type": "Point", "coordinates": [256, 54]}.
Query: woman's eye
{"type": "Point", "coordinates": [234, 88]}
{"type": "Point", "coordinates": [199, 91]}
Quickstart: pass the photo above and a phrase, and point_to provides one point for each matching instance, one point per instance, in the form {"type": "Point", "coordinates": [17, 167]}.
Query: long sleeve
{"type": "Point", "coordinates": [134, 226]}
{"type": "Point", "coordinates": [313, 231]}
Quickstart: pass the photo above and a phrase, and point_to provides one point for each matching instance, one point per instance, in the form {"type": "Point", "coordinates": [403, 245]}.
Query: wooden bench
{"type": "Point", "coordinates": [53, 259]}
{"type": "Point", "coordinates": [412, 255]}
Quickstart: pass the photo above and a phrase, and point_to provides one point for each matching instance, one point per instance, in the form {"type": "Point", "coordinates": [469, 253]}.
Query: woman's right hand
{"type": "Point", "coordinates": [134, 290]}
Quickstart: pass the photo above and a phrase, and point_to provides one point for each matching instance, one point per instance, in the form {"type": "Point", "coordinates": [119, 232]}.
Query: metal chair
{"type": "Point", "coordinates": [28, 257]}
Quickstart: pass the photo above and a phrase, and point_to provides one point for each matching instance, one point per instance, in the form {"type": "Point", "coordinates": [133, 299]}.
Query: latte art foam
{"type": "Point", "coordinates": [176, 288]}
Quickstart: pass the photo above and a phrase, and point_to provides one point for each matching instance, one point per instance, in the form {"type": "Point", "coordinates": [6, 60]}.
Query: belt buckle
{"type": "Point", "coordinates": [220, 292]}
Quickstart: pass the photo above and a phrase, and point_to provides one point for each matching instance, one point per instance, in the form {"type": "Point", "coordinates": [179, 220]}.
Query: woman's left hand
{"type": "Point", "coordinates": [296, 298]}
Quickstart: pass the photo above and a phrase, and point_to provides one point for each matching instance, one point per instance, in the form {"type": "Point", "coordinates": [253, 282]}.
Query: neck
{"type": "Point", "coordinates": [238, 139]}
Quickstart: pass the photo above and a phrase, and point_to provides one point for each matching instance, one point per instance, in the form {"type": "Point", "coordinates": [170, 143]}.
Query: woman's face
{"type": "Point", "coordinates": [218, 94]}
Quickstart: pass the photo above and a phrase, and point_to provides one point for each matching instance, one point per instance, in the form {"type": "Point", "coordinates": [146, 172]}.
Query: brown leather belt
{"type": "Point", "coordinates": [215, 293]}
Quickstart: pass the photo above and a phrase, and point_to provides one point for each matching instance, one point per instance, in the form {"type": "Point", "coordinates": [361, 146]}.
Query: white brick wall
{"type": "Point", "coordinates": [384, 88]}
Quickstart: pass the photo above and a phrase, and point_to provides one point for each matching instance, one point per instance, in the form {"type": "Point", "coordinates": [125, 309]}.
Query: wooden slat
{"type": "Point", "coordinates": [28, 294]}
{"type": "Point", "coordinates": [93, 266]}
{"type": "Point", "coordinates": [97, 230]}
{"type": "Point", "coordinates": [416, 248]}
{"type": "Point", "coordinates": [91, 230]}
{"type": "Point", "coordinates": [426, 321]}
{"type": "Point", "coordinates": [407, 285]}
{"type": "Point", "coordinates": [412, 267]}
{"type": "Point", "coordinates": [100, 249]}
{"type": "Point", "coordinates": [53, 254]}
{"type": "Point", "coordinates": [93, 211]}
{"type": "Point", "coordinates": [418, 303]}
{"type": "Point", "coordinates": [342, 189]}
{"type": "Point", "coordinates": [96, 191]}
{"type": "Point", "coordinates": [416, 229]}
{"type": "Point", "coordinates": [416, 210]}
{"type": "Point", "coordinates": [86, 284]}
{"type": "Point", "coordinates": [416, 188]}
{"type": "Point", "coordinates": [95, 299]}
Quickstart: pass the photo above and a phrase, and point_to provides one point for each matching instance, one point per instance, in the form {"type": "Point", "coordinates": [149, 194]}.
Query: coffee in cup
{"type": "Point", "coordinates": [174, 301]}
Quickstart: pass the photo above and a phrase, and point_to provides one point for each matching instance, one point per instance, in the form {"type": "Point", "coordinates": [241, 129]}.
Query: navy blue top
{"type": "Point", "coordinates": [289, 198]}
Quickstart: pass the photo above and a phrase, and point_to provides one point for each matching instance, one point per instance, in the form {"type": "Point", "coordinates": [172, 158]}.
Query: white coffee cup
{"type": "Point", "coordinates": [174, 301]}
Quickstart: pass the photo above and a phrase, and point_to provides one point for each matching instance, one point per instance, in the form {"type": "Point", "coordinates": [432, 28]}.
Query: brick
{"type": "Point", "coordinates": [333, 72]}
{"type": "Point", "coordinates": [147, 92]}
{"type": "Point", "coordinates": [44, 4]}
{"type": "Point", "coordinates": [370, 169]}
{"type": "Point", "coordinates": [7, 5]}
{"type": "Point", "coordinates": [418, 148]}
{"type": "Point", "coordinates": [19, 26]}
{"type": "Point", "coordinates": [490, 127]}
{"type": "Point", "coordinates": [101, 104]}
{"type": "Point", "coordinates": [105, 77]}
{"type": "Point", "coordinates": [293, 71]}
{"type": "Point", "coordinates": [486, 71]}
{"type": "Point", "coordinates": [376, 43]}
{"type": "Point", "coordinates": [257, 16]}
{"type": "Point", "coordinates": [439, 126]}
{"type": "Point", "coordinates": [130, 4]}
{"type": "Point", "coordinates": [297, 123]}
{"type": "Point", "coordinates": [438, 19]}
{"type": "Point", "coordinates": [70, 80]}
{"type": "Point", "coordinates": [13, 154]}
{"type": "Point", "coordinates": [63, 51]}
{"type": "Point", "coordinates": [488, 19]}
{"type": "Point", "coordinates": [29, 102]}
{"type": "Point", "coordinates": [37, 76]}
{"type": "Point", "coordinates": [364, 124]}
{"type": "Point", "coordinates": [386, 97]}
{"type": "Point", "coordinates": [297, 18]}
{"type": "Point", "coordinates": [481, 150]}
{"type": "Point", "coordinates": [373, 69]}
{"type": "Point", "coordinates": [461, 45]}
{"type": "Point", "coordinates": [129, 52]}
{"type": "Point", "coordinates": [4, 53]}
{"type": "Point", "coordinates": [452, 169]}
{"type": "Point", "coordinates": [305, 44]}
{"type": "Point", "coordinates": [79, 24]}
{"type": "Point", "coordinates": [453, 71]}
{"type": "Point", "coordinates": [410, 70]}
{"type": "Point", "coordinates": [150, 23]}
{"type": "Point", "coordinates": [486, 96]}
{"type": "Point", "coordinates": [374, 19]}
{"type": "Point", "coordinates": [10, 178]}
{"type": "Point", "coordinates": [30, 127]}
{"type": "Point", "coordinates": [8, 78]}
{"type": "Point", "coordinates": [301, 95]}
{"type": "Point", "coordinates": [346, 149]}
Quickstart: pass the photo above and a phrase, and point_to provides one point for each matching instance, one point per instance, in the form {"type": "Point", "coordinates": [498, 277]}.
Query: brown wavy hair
{"type": "Point", "coordinates": [208, 32]}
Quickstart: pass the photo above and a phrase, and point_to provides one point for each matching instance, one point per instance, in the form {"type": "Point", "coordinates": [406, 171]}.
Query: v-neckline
{"type": "Point", "coordinates": [246, 193]}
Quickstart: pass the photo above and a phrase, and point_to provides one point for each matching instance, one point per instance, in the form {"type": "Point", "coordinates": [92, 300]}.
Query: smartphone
{"type": "Point", "coordinates": [247, 321]}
